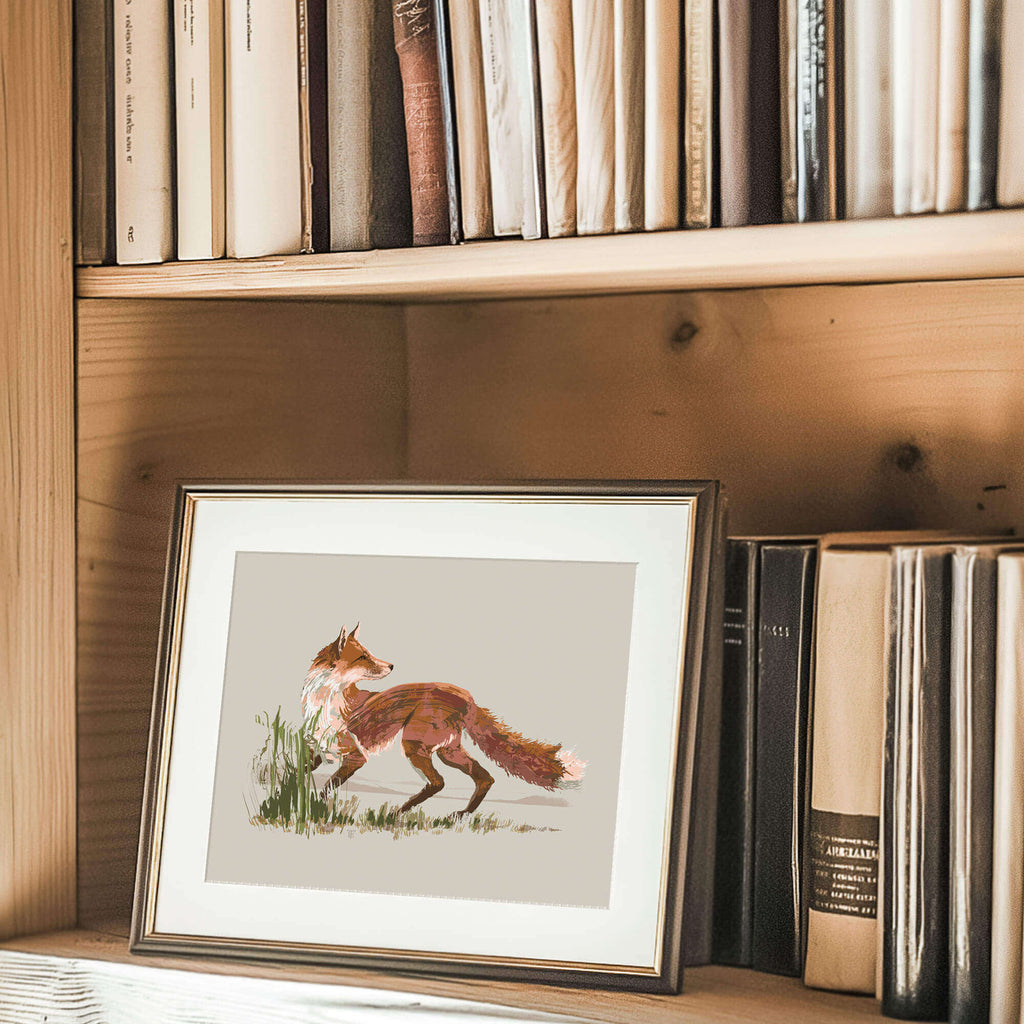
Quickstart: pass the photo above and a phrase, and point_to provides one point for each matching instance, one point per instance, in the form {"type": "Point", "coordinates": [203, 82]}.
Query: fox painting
{"type": "Point", "coordinates": [348, 724]}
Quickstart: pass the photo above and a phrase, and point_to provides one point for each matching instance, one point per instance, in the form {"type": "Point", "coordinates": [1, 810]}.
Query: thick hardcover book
{"type": "Point", "coordinates": [842, 834]}
{"type": "Point", "coordinates": [143, 164]}
{"type": "Point", "coordinates": [983, 98]}
{"type": "Point", "coordinates": [594, 49]}
{"type": "Point", "coordinates": [972, 740]}
{"type": "Point", "coordinates": [558, 113]}
{"type": "Point", "coordinates": [94, 208]}
{"type": "Point", "coordinates": [263, 196]}
{"type": "Point", "coordinates": [1010, 175]}
{"type": "Point", "coordinates": [915, 835]}
{"type": "Point", "coordinates": [662, 68]}
{"type": "Point", "coordinates": [734, 855]}
{"type": "Point", "coordinates": [415, 25]}
{"type": "Point", "coordinates": [868, 138]}
{"type": "Point", "coordinates": [451, 145]}
{"type": "Point", "coordinates": [951, 169]}
{"type": "Point", "coordinates": [629, 115]}
{"type": "Point", "coordinates": [199, 114]}
{"type": "Point", "coordinates": [785, 624]}
{"type": "Point", "coordinates": [698, 111]}
{"type": "Point", "coordinates": [1008, 794]}
{"type": "Point", "coordinates": [370, 199]}
{"type": "Point", "coordinates": [471, 118]}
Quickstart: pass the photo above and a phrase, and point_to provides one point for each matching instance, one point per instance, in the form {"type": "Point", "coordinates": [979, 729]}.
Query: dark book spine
{"type": "Point", "coordinates": [734, 856]}
{"type": "Point", "coordinates": [785, 624]}
{"type": "Point", "coordinates": [444, 61]}
{"type": "Point", "coordinates": [415, 27]}
{"type": "Point", "coordinates": [972, 751]}
{"type": "Point", "coordinates": [983, 62]}
{"type": "Point", "coordinates": [915, 830]}
{"type": "Point", "coordinates": [765, 129]}
{"type": "Point", "coordinates": [316, 63]}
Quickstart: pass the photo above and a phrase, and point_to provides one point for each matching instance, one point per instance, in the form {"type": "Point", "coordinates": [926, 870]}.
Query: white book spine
{"type": "Point", "coordinates": [869, 185]}
{"type": "Point", "coordinates": [1008, 795]}
{"type": "Point", "coordinates": [142, 122]}
{"type": "Point", "coordinates": [593, 31]}
{"type": "Point", "coordinates": [349, 40]}
{"type": "Point", "coordinates": [264, 189]}
{"type": "Point", "coordinates": [951, 159]}
{"type": "Point", "coordinates": [661, 113]}
{"type": "Point", "coordinates": [528, 103]}
{"type": "Point", "coordinates": [199, 112]}
{"type": "Point", "coordinates": [1010, 173]}
{"type": "Point", "coordinates": [629, 115]}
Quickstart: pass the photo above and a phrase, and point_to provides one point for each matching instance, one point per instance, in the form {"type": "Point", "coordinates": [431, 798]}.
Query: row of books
{"type": "Point", "coordinates": [213, 127]}
{"type": "Point", "coordinates": [871, 785]}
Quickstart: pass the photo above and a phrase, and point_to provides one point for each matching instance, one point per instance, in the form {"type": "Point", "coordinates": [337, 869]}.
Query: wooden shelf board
{"type": "Point", "coordinates": [713, 995]}
{"type": "Point", "coordinates": [952, 246]}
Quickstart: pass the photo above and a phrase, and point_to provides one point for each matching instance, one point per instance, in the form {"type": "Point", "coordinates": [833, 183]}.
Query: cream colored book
{"type": "Point", "coordinates": [199, 113]}
{"type": "Point", "coordinates": [263, 197]}
{"type": "Point", "coordinates": [143, 171]}
{"type": "Point", "coordinates": [951, 143]}
{"type": "Point", "coordinates": [1008, 795]}
{"type": "Point", "coordinates": [471, 118]}
{"type": "Point", "coordinates": [698, 114]}
{"type": "Point", "coordinates": [558, 113]}
{"type": "Point", "coordinates": [593, 35]}
{"type": "Point", "coordinates": [629, 115]}
{"type": "Point", "coordinates": [662, 65]}
{"type": "Point", "coordinates": [1010, 167]}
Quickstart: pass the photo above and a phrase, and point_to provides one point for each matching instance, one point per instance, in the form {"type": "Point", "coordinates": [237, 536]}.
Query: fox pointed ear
{"type": "Point", "coordinates": [342, 639]}
{"type": "Point", "coordinates": [355, 632]}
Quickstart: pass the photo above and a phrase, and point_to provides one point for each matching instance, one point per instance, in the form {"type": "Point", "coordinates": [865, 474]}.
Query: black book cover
{"type": "Point", "coordinates": [734, 855]}
{"type": "Point", "coordinates": [984, 44]}
{"type": "Point", "coordinates": [444, 59]}
{"type": "Point", "coordinates": [765, 127]}
{"type": "Point", "coordinates": [785, 627]}
{"type": "Point", "coordinates": [915, 827]}
{"type": "Point", "coordinates": [316, 27]}
{"type": "Point", "coordinates": [972, 749]}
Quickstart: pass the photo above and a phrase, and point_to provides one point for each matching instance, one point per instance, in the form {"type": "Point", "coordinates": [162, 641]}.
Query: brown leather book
{"type": "Point", "coordinates": [416, 44]}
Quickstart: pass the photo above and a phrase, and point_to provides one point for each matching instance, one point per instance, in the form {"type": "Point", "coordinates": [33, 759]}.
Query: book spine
{"type": "Point", "coordinates": [788, 126]}
{"type": "Point", "coordinates": [594, 49]}
{"type": "Point", "coordinates": [94, 227]}
{"type": "Point", "coordinates": [1010, 128]}
{"type": "Point", "coordinates": [558, 113]}
{"type": "Point", "coordinates": [972, 737]}
{"type": "Point", "coordinates": [868, 153]}
{"type": "Point", "coordinates": [415, 25]}
{"type": "Point", "coordinates": [735, 68]}
{"type": "Point", "coordinates": [983, 99]}
{"type": "Point", "coordinates": [530, 131]}
{"type": "Point", "coordinates": [316, 62]}
{"type": "Point", "coordinates": [734, 855]}
{"type": "Point", "coordinates": [662, 64]}
{"type": "Point", "coordinates": [1008, 795]}
{"type": "Point", "coordinates": [444, 61]}
{"type": "Point", "coordinates": [764, 174]}
{"type": "Point", "coordinates": [951, 169]}
{"type": "Point", "coordinates": [629, 115]}
{"type": "Point", "coordinates": [785, 614]}
{"type": "Point", "coordinates": [199, 112]}
{"type": "Point", "coordinates": [305, 140]}
{"type": "Point", "coordinates": [471, 118]}
{"type": "Point", "coordinates": [915, 957]}
{"type": "Point", "coordinates": [264, 191]}
{"type": "Point", "coordinates": [841, 867]}
{"type": "Point", "coordinates": [143, 146]}
{"type": "Point", "coordinates": [698, 118]}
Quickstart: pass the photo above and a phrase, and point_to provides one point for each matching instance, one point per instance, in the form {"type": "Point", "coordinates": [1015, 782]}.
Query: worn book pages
{"type": "Point", "coordinates": [629, 115]}
{"type": "Point", "coordinates": [662, 66]}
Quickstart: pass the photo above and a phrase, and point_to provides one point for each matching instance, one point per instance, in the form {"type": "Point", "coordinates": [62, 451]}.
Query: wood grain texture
{"type": "Point", "coordinates": [172, 391]}
{"type": "Point", "coordinates": [593, 39]}
{"type": "Point", "coordinates": [629, 115]}
{"type": "Point", "coordinates": [37, 512]}
{"type": "Point", "coordinates": [93, 962]}
{"type": "Point", "coordinates": [819, 408]}
{"type": "Point", "coordinates": [951, 247]}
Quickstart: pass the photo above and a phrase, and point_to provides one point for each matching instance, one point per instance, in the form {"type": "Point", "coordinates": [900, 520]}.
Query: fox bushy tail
{"type": "Point", "coordinates": [543, 764]}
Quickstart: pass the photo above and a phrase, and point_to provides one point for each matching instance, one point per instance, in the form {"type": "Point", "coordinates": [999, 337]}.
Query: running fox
{"type": "Point", "coordinates": [348, 724]}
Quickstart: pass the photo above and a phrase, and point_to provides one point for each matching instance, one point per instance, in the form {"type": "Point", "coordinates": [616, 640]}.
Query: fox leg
{"type": "Point", "coordinates": [351, 760]}
{"type": "Point", "coordinates": [419, 757]}
{"type": "Point", "coordinates": [456, 757]}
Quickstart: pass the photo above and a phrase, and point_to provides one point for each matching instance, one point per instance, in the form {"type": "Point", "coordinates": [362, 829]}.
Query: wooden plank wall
{"type": "Point", "coordinates": [191, 390]}
{"type": "Point", "coordinates": [820, 408]}
{"type": "Point", "coordinates": [37, 509]}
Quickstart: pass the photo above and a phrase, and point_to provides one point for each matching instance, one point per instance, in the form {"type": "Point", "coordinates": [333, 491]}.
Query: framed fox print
{"type": "Point", "coordinates": [430, 728]}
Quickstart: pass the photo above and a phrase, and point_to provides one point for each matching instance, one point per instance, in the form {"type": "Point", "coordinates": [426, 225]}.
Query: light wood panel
{"type": "Point", "coordinates": [168, 391]}
{"type": "Point", "coordinates": [712, 995]}
{"type": "Point", "coordinates": [819, 408]}
{"type": "Point", "coordinates": [37, 612]}
{"type": "Point", "coordinates": [952, 246]}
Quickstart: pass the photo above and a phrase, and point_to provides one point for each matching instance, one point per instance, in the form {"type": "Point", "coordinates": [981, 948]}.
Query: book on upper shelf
{"type": "Point", "coordinates": [698, 112]}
